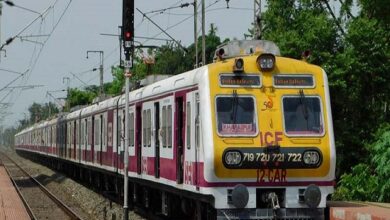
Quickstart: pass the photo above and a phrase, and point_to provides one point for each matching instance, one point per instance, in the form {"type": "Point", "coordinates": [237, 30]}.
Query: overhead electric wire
{"type": "Point", "coordinates": [182, 21]}
{"type": "Point", "coordinates": [160, 11]}
{"type": "Point", "coordinates": [139, 24]}
{"type": "Point", "coordinates": [9, 40]}
{"type": "Point", "coordinates": [74, 75]}
{"type": "Point", "coordinates": [33, 62]}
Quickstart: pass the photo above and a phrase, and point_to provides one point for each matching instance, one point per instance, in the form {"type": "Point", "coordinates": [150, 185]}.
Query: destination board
{"type": "Point", "coordinates": [294, 81]}
{"type": "Point", "coordinates": [234, 80]}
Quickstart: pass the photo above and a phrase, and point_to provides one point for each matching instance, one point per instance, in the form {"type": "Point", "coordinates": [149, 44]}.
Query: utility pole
{"type": "Point", "coordinates": [257, 20]}
{"type": "Point", "coordinates": [128, 46]}
{"type": "Point", "coordinates": [1, 14]}
{"type": "Point", "coordinates": [67, 79]}
{"type": "Point", "coordinates": [101, 53]}
{"type": "Point", "coordinates": [196, 32]}
{"type": "Point", "coordinates": [203, 34]}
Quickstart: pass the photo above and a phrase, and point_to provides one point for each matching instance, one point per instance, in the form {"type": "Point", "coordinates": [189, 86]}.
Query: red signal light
{"type": "Point", "coordinates": [127, 35]}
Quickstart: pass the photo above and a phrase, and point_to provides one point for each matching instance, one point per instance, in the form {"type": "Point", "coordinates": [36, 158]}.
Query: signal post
{"type": "Point", "coordinates": [128, 46]}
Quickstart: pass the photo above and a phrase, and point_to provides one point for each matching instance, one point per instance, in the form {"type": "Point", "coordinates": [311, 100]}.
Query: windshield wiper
{"type": "Point", "coordinates": [302, 101]}
{"type": "Point", "coordinates": [233, 116]}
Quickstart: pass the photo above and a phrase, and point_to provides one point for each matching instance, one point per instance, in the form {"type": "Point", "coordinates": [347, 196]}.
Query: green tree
{"type": "Point", "coordinates": [354, 51]}
{"type": "Point", "coordinates": [118, 81]}
{"type": "Point", "coordinates": [172, 59]}
{"type": "Point", "coordinates": [7, 136]}
{"type": "Point", "coordinates": [369, 181]}
{"type": "Point", "coordinates": [79, 97]}
{"type": "Point", "coordinates": [297, 26]}
{"type": "Point", "coordinates": [40, 112]}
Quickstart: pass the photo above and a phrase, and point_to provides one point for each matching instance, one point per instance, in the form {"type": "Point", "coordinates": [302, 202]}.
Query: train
{"type": "Point", "coordinates": [249, 136]}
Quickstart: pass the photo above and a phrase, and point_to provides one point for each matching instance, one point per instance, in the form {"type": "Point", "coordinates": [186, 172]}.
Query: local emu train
{"type": "Point", "coordinates": [249, 136]}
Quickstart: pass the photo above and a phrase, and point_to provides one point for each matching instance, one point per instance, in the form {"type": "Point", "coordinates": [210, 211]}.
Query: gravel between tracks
{"type": "Point", "coordinates": [82, 200]}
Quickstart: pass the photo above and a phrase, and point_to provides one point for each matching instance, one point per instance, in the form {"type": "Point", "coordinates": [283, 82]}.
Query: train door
{"type": "Point", "coordinates": [179, 127]}
{"type": "Point", "coordinates": [197, 138]}
{"type": "Point", "coordinates": [116, 138]}
{"type": "Point", "coordinates": [107, 138]}
{"type": "Point", "coordinates": [67, 140]}
{"type": "Point", "coordinates": [77, 137]}
{"type": "Point", "coordinates": [82, 139]}
{"type": "Point", "coordinates": [103, 143]}
{"type": "Point", "coordinates": [63, 136]}
{"type": "Point", "coordinates": [93, 140]}
{"type": "Point", "coordinates": [191, 139]}
{"type": "Point", "coordinates": [122, 139]}
{"type": "Point", "coordinates": [138, 138]}
{"type": "Point", "coordinates": [74, 140]}
{"type": "Point", "coordinates": [156, 139]}
{"type": "Point", "coordinates": [86, 141]}
{"type": "Point", "coordinates": [100, 140]}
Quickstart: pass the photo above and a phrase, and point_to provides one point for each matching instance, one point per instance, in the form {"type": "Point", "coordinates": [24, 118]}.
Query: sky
{"type": "Point", "coordinates": [72, 27]}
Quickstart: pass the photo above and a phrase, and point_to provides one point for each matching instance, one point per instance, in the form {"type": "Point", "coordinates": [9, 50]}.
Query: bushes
{"type": "Point", "coordinates": [369, 182]}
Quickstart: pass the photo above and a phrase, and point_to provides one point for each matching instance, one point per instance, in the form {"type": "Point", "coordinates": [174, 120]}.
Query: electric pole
{"type": "Point", "coordinates": [128, 46]}
{"type": "Point", "coordinates": [67, 79]}
{"type": "Point", "coordinates": [101, 53]}
{"type": "Point", "coordinates": [203, 34]}
{"type": "Point", "coordinates": [257, 20]}
{"type": "Point", "coordinates": [196, 32]}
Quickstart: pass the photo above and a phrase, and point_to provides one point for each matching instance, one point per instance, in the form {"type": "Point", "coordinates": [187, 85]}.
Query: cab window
{"type": "Point", "coordinates": [236, 116]}
{"type": "Point", "coordinates": [302, 116]}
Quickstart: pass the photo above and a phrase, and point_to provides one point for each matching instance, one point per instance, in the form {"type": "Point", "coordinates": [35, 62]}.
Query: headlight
{"type": "Point", "coordinates": [233, 158]}
{"type": "Point", "coordinates": [266, 62]}
{"type": "Point", "coordinates": [311, 157]}
{"type": "Point", "coordinates": [238, 65]}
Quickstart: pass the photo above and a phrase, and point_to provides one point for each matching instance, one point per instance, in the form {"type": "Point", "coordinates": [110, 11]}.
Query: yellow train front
{"type": "Point", "coordinates": [271, 149]}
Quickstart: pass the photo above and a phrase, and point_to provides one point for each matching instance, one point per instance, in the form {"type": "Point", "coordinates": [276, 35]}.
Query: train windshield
{"type": "Point", "coordinates": [302, 116]}
{"type": "Point", "coordinates": [236, 116]}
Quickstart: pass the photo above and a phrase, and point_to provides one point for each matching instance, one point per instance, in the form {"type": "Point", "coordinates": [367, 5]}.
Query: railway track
{"type": "Point", "coordinates": [38, 200]}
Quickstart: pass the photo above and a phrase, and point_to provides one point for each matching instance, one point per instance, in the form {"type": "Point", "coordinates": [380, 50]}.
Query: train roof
{"type": "Point", "coordinates": [98, 106]}
{"type": "Point", "coordinates": [165, 86]}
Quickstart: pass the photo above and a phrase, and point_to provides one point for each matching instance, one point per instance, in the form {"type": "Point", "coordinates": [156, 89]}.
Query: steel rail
{"type": "Point", "coordinates": [62, 205]}
{"type": "Point", "coordinates": [28, 208]}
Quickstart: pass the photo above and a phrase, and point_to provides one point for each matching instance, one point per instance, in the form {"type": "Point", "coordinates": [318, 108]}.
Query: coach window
{"type": "Point", "coordinates": [164, 126]}
{"type": "Point", "coordinates": [97, 131]}
{"type": "Point", "coordinates": [88, 136]}
{"type": "Point", "coordinates": [144, 119]}
{"type": "Point", "coordinates": [68, 139]}
{"type": "Point", "coordinates": [131, 142]}
{"type": "Point", "coordinates": [82, 133]}
{"type": "Point", "coordinates": [188, 123]}
{"type": "Point", "coordinates": [302, 116]}
{"type": "Point", "coordinates": [149, 127]}
{"type": "Point", "coordinates": [169, 126]}
{"type": "Point", "coordinates": [77, 134]}
{"type": "Point", "coordinates": [103, 133]}
{"type": "Point", "coordinates": [236, 116]}
{"type": "Point", "coordinates": [119, 128]}
{"type": "Point", "coordinates": [53, 140]}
